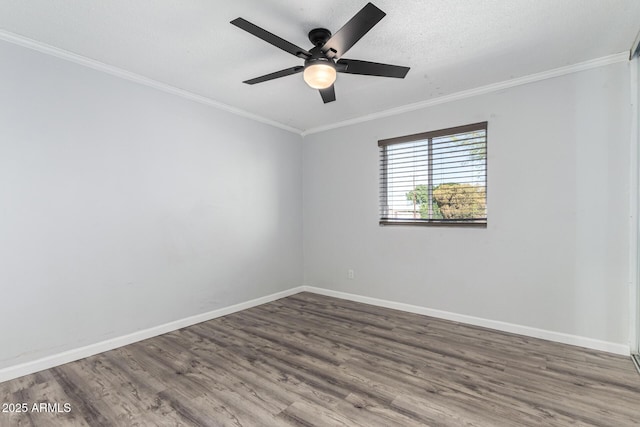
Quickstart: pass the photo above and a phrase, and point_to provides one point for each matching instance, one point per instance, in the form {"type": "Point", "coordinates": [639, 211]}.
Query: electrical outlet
{"type": "Point", "coordinates": [350, 274]}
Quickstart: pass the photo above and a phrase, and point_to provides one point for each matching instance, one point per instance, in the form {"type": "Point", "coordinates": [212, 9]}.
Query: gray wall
{"type": "Point", "coordinates": [123, 207]}
{"type": "Point", "coordinates": [555, 253]}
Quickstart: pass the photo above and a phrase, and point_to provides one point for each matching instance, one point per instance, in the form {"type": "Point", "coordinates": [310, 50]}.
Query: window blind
{"type": "Point", "coordinates": [437, 177]}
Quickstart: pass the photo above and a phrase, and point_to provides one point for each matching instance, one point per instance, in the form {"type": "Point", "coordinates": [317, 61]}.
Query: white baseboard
{"type": "Point", "coordinates": [477, 321]}
{"type": "Point", "coordinates": [47, 362]}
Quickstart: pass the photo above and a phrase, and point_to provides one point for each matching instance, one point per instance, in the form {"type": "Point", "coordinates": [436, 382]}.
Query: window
{"type": "Point", "coordinates": [437, 177]}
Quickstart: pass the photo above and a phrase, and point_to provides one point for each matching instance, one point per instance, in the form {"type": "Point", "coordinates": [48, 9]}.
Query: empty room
{"type": "Point", "coordinates": [319, 213]}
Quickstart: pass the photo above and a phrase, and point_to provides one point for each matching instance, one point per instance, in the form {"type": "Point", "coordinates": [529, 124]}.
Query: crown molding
{"type": "Point", "coordinates": [494, 87]}
{"type": "Point", "coordinates": [137, 78]}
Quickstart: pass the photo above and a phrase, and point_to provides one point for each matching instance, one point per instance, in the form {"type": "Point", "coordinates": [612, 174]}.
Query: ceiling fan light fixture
{"type": "Point", "coordinates": [320, 74]}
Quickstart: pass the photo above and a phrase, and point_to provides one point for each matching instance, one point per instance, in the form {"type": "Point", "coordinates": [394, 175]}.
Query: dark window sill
{"type": "Point", "coordinates": [472, 224]}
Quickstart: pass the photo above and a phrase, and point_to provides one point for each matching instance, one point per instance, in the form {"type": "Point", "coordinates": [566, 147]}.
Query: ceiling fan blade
{"type": "Point", "coordinates": [276, 75]}
{"type": "Point", "coordinates": [352, 31]}
{"type": "Point", "coordinates": [353, 66]}
{"type": "Point", "coordinates": [328, 94]}
{"type": "Point", "coordinates": [271, 38]}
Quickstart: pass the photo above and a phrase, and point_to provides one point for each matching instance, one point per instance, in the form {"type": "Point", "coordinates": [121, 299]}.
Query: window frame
{"type": "Point", "coordinates": [383, 189]}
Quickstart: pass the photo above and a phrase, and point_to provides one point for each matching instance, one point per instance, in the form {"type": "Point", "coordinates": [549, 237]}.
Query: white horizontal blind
{"type": "Point", "coordinates": [437, 177]}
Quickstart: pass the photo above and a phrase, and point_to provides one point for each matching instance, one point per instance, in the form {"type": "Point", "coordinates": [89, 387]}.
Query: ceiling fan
{"type": "Point", "coordinates": [324, 60]}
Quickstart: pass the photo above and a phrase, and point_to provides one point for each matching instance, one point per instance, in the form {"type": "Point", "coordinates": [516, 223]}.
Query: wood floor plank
{"type": "Point", "coordinates": [314, 360]}
{"type": "Point", "coordinates": [138, 389]}
{"type": "Point", "coordinates": [302, 413]}
{"type": "Point", "coordinates": [230, 389]}
{"type": "Point", "coordinates": [456, 390]}
{"type": "Point", "coordinates": [287, 385]}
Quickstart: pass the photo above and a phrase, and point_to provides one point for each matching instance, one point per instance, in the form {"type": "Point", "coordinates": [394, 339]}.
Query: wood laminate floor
{"type": "Point", "coordinates": [314, 360]}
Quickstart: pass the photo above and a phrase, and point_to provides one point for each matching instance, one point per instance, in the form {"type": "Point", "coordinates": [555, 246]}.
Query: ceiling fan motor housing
{"type": "Point", "coordinates": [319, 36]}
{"type": "Point", "coordinates": [319, 60]}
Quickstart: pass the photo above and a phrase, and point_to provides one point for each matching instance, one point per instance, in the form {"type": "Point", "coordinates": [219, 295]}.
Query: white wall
{"type": "Point", "coordinates": [555, 253]}
{"type": "Point", "coordinates": [123, 207]}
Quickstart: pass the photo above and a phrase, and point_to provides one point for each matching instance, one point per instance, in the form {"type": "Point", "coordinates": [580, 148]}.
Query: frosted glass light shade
{"type": "Point", "coordinates": [320, 76]}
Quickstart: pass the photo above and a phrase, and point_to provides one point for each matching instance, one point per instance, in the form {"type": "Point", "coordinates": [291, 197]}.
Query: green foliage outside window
{"type": "Point", "coordinates": [450, 201]}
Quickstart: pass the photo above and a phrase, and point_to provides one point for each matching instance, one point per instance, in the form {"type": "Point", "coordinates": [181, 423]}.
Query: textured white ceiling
{"type": "Point", "coordinates": [450, 45]}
